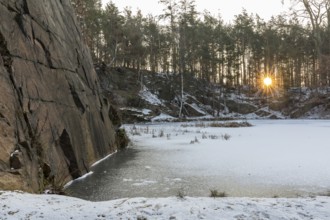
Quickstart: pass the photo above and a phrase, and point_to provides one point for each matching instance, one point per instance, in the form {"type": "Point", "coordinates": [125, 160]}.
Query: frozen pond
{"type": "Point", "coordinates": [285, 158]}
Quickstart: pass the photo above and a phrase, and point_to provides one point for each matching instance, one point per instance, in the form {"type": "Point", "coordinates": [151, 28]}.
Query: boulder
{"type": "Point", "coordinates": [15, 161]}
{"type": "Point", "coordinates": [240, 107]}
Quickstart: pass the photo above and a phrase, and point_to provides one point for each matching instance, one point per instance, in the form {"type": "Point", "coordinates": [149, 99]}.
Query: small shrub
{"type": "Point", "coordinates": [55, 182]}
{"type": "Point", "coordinates": [200, 125]}
{"type": "Point", "coordinates": [194, 141]}
{"type": "Point", "coordinates": [226, 137]}
{"type": "Point", "coordinates": [58, 185]}
{"type": "Point", "coordinates": [181, 193]}
{"type": "Point", "coordinates": [204, 136]}
{"type": "Point", "coordinates": [217, 124]}
{"type": "Point", "coordinates": [215, 193]}
{"type": "Point", "coordinates": [134, 131]}
{"type": "Point", "coordinates": [197, 124]}
{"type": "Point", "coordinates": [213, 136]}
{"type": "Point", "coordinates": [327, 194]}
{"type": "Point", "coordinates": [122, 139]}
{"type": "Point", "coordinates": [146, 130]}
{"type": "Point", "coordinates": [168, 136]}
{"type": "Point", "coordinates": [161, 133]}
{"type": "Point", "coordinates": [233, 124]}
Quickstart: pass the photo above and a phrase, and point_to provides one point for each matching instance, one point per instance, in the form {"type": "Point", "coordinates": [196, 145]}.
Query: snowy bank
{"type": "Point", "coordinates": [17, 205]}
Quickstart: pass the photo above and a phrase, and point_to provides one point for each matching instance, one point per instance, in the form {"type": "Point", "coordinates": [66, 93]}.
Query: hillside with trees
{"type": "Point", "coordinates": [292, 49]}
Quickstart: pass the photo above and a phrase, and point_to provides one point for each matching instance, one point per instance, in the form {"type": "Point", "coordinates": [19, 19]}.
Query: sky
{"type": "Point", "coordinates": [227, 8]}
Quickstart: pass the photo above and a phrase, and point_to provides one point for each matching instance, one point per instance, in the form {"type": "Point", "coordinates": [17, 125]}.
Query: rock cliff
{"type": "Point", "coordinates": [54, 122]}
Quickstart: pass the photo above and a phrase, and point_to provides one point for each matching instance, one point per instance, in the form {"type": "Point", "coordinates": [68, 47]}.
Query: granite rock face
{"type": "Point", "coordinates": [54, 122]}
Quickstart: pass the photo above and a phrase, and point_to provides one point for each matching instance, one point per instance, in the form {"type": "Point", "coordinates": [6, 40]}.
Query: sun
{"type": "Point", "coordinates": [268, 81]}
{"type": "Point", "coordinates": [267, 85]}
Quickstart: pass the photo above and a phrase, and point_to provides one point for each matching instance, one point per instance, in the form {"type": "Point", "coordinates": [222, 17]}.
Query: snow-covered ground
{"type": "Point", "coordinates": [16, 205]}
{"type": "Point", "coordinates": [288, 153]}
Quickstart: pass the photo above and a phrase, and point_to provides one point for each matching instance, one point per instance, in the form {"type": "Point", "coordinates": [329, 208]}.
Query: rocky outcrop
{"type": "Point", "coordinates": [54, 121]}
{"type": "Point", "coordinates": [138, 103]}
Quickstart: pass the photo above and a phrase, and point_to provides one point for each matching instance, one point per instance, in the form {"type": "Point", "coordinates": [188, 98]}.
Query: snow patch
{"type": "Point", "coordinates": [146, 111]}
{"type": "Point", "coordinates": [163, 117]}
{"type": "Point", "coordinates": [99, 161]}
{"type": "Point", "coordinates": [144, 183]}
{"type": "Point", "coordinates": [143, 111]}
{"type": "Point", "coordinates": [146, 95]}
{"type": "Point", "coordinates": [78, 179]}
